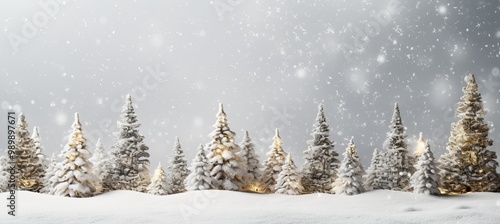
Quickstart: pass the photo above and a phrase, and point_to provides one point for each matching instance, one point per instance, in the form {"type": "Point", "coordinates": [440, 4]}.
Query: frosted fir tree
{"type": "Point", "coordinates": [288, 181]}
{"type": "Point", "coordinates": [101, 162]}
{"type": "Point", "coordinates": [75, 177]}
{"type": "Point", "coordinates": [251, 163]}
{"type": "Point", "coordinates": [158, 184]}
{"type": "Point", "coordinates": [42, 161]}
{"type": "Point", "coordinates": [419, 148]}
{"type": "Point", "coordinates": [321, 163]}
{"type": "Point", "coordinates": [226, 169]}
{"type": "Point", "coordinates": [275, 161]}
{"type": "Point", "coordinates": [350, 175]}
{"type": "Point", "coordinates": [426, 179]}
{"type": "Point", "coordinates": [51, 170]}
{"type": "Point", "coordinates": [469, 165]}
{"type": "Point", "coordinates": [177, 171]}
{"type": "Point", "coordinates": [3, 174]}
{"type": "Point", "coordinates": [29, 174]}
{"type": "Point", "coordinates": [372, 180]}
{"type": "Point", "coordinates": [199, 178]}
{"type": "Point", "coordinates": [398, 164]}
{"type": "Point", "coordinates": [129, 158]}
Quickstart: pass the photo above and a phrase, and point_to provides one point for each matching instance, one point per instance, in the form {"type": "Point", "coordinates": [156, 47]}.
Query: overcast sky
{"type": "Point", "coordinates": [270, 62]}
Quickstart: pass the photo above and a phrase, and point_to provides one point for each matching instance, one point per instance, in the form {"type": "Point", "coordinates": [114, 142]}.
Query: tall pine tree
{"type": "Point", "coordinates": [226, 169]}
{"type": "Point", "coordinates": [29, 175]}
{"type": "Point", "coordinates": [426, 179]}
{"type": "Point", "coordinates": [275, 161]}
{"type": "Point", "coordinates": [288, 181]}
{"type": "Point", "coordinates": [398, 164]}
{"type": "Point", "coordinates": [199, 178]}
{"type": "Point", "coordinates": [75, 177]}
{"type": "Point", "coordinates": [350, 179]}
{"type": "Point", "coordinates": [129, 158]}
{"type": "Point", "coordinates": [251, 163]}
{"type": "Point", "coordinates": [42, 161]}
{"type": "Point", "coordinates": [177, 171]}
{"type": "Point", "coordinates": [372, 180]}
{"type": "Point", "coordinates": [321, 163]}
{"type": "Point", "coordinates": [469, 165]}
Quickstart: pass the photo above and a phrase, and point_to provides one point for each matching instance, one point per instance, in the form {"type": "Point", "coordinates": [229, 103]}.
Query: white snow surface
{"type": "Point", "coordinates": [215, 206]}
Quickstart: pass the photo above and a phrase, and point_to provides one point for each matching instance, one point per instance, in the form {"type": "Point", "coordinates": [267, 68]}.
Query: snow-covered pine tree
{"type": "Point", "coordinates": [3, 174]}
{"type": "Point", "coordinates": [398, 164]}
{"type": "Point", "coordinates": [350, 175]}
{"type": "Point", "coordinates": [419, 148]}
{"type": "Point", "coordinates": [51, 170]}
{"type": "Point", "coordinates": [177, 171]}
{"type": "Point", "coordinates": [42, 161]}
{"type": "Point", "coordinates": [469, 165]}
{"type": "Point", "coordinates": [275, 161]}
{"type": "Point", "coordinates": [129, 158]}
{"type": "Point", "coordinates": [158, 184]}
{"type": "Point", "coordinates": [226, 169]}
{"type": "Point", "coordinates": [372, 180]}
{"type": "Point", "coordinates": [101, 166]}
{"type": "Point", "coordinates": [320, 168]}
{"type": "Point", "coordinates": [75, 177]}
{"type": "Point", "coordinates": [251, 163]}
{"type": "Point", "coordinates": [199, 178]}
{"type": "Point", "coordinates": [288, 181]}
{"type": "Point", "coordinates": [426, 179]}
{"type": "Point", "coordinates": [29, 177]}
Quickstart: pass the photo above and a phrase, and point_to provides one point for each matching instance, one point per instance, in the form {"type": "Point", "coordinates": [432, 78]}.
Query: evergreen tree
{"type": "Point", "coordinates": [177, 171]}
{"type": "Point", "coordinates": [372, 180]}
{"type": "Point", "coordinates": [321, 163]}
{"type": "Point", "coordinates": [42, 161]}
{"type": "Point", "coordinates": [129, 158]}
{"type": "Point", "coordinates": [275, 161]}
{"type": "Point", "coordinates": [226, 170]}
{"type": "Point", "coordinates": [350, 179]}
{"type": "Point", "coordinates": [398, 164]}
{"type": "Point", "coordinates": [426, 179]}
{"type": "Point", "coordinates": [158, 184]}
{"type": "Point", "coordinates": [3, 174]}
{"type": "Point", "coordinates": [251, 162]}
{"type": "Point", "coordinates": [469, 165]}
{"type": "Point", "coordinates": [288, 181]}
{"type": "Point", "coordinates": [199, 178]}
{"type": "Point", "coordinates": [75, 177]}
{"type": "Point", "coordinates": [51, 170]}
{"type": "Point", "coordinates": [28, 173]}
{"type": "Point", "coordinates": [101, 162]}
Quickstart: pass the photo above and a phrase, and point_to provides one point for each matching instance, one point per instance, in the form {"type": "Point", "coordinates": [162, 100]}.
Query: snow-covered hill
{"type": "Point", "coordinates": [235, 207]}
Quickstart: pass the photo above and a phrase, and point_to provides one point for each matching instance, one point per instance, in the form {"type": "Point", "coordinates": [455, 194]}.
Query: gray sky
{"type": "Point", "coordinates": [269, 62]}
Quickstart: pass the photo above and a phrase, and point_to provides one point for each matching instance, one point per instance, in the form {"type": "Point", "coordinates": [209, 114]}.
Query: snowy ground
{"type": "Point", "coordinates": [234, 207]}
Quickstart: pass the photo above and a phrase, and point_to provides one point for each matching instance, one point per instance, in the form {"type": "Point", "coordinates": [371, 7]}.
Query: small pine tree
{"type": "Point", "coordinates": [372, 180]}
{"type": "Point", "coordinates": [469, 165]}
{"type": "Point", "coordinates": [3, 174]}
{"type": "Point", "coordinates": [129, 158]}
{"type": "Point", "coordinates": [350, 180]}
{"type": "Point", "coordinates": [199, 178]}
{"type": "Point", "coordinates": [158, 184]}
{"type": "Point", "coordinates": [321, 163]}
{"type": "Point", "coordinates": [398, 164]}
{"type": "Point", "coordinates": [288, 181]}
{"type": "Point", "coordinates": [51, 170]}
{"type": "Point", "coordinates": [226, 170]}
{"type": "Point", "coordinates": [101, 162]}
{"type": "Point", "coordinates": [75, 177]}
{"type": "Point", "coordinates": [42, 161]}
{"type": "Point", "coordinates": [251, 162]}
{"type": "Point", "coordinates": [177, 171]}
{"type": "Point", "coordinates": [275, 161]}
{"type": "Point", "coordinates": [29, 175]}
{"type": "Point", "coordinates": [426, 179]}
